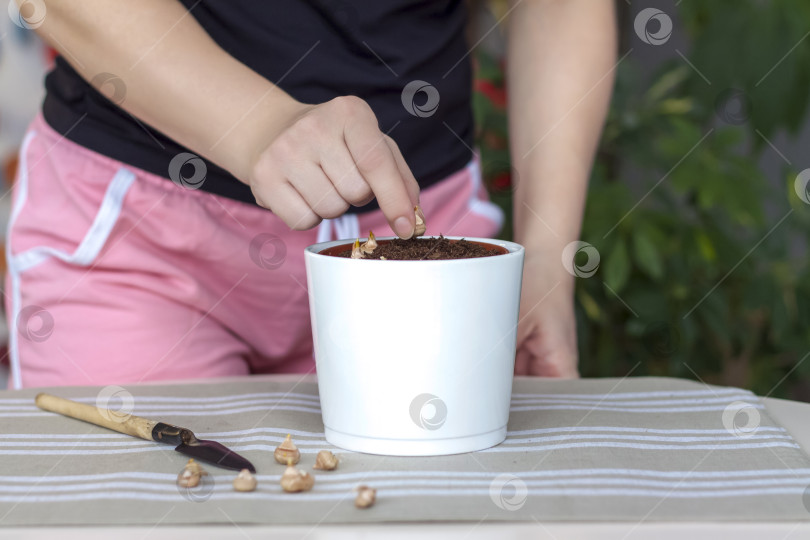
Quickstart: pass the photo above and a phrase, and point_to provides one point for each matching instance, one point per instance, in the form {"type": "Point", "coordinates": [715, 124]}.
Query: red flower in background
{"type": "Point", "coordinates": [495, 94]}
{"type": "Point", "coordinates": [494, 140]}
{"type": "Point", "coordinates": [502, 181]}
{"type": "Point", "coordinates": [50, 56]}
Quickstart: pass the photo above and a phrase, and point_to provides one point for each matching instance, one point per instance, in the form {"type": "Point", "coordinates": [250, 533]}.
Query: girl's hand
{"type": "Point", "coordinates": [329, 157]}
{"type": "Point", "coordinates": [303, 162]}
{"type": "Point", "coordinates": [547, 331]}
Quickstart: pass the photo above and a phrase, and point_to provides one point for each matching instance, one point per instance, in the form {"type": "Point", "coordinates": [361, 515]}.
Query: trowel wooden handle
{"type": "Point", "coordinates": [115, 420]}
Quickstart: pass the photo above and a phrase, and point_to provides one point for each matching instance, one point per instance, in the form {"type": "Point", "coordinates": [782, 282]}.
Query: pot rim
{"type": "Point", "coordinates": [514, 250]}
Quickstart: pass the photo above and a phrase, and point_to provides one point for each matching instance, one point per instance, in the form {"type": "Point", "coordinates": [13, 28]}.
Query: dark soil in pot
{"type": "Point", "coordinates": [430, 248]}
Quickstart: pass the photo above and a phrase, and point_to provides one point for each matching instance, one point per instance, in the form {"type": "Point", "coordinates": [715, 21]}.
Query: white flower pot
{"type": "Point", "coordinates": [415, 358]}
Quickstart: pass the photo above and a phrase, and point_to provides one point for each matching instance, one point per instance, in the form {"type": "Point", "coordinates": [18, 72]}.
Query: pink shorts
{"type": "Point", "coordinates": [116, 275]}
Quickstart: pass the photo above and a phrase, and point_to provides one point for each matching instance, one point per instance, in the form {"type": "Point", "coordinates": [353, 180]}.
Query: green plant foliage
{"type": "Point", "coordinates": [708, 254]}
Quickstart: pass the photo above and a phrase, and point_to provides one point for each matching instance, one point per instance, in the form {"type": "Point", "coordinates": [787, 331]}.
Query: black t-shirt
{"type": "Point", "coordinates": [378, 50]}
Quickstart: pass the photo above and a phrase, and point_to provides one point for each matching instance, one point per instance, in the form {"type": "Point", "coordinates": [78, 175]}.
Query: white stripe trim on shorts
{"type": "Point", "coordinates": [487, 209]}
{"type": "Point", "coordinates": [84, 255]}
{"type": "Point", "coordinates": [346, 226]}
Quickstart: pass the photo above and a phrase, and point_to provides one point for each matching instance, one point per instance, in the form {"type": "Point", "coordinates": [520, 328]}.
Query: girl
{"type": "Point", "coordinates": [188, 151]}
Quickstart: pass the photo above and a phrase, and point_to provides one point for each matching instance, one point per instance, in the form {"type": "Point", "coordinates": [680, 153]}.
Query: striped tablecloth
{"type": "Point", "coordinates": [643, 449]}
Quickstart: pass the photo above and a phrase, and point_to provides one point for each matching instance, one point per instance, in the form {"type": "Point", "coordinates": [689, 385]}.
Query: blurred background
{"type": "Point", "coordinates": [696, 263]}
{"type": "Point", "coordinates": [706, 275]}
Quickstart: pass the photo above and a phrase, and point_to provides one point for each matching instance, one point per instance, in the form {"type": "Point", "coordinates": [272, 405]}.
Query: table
{"type": "Point", "coordinates": [792, 415]}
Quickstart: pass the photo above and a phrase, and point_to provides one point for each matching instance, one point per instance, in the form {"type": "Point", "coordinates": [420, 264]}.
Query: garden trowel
{"type": "Point", "coordinates": [208, 451]}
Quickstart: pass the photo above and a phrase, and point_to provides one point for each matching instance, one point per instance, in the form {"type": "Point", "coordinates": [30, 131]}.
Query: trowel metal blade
{"type": "Point", "coordinates": [216, 454]}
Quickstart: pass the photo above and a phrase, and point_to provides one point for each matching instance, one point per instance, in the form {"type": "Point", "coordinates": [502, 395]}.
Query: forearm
{"type": "Point", "coordinates": [177, 79]}
{"type": "Point", "coordinates": [561, 59]}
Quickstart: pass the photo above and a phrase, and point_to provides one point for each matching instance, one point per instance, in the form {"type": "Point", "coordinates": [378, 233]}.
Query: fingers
{"type": "Point", "coordinates": [524, 329]}
{"type": "Point", "coordinates": [411, 185]}
{"type": "Point", "coordinates": [290, 206]}
{"type": "Point", "coordinates": [339, 166]}
{"type": "Point", "coordinates": [522, 360]}
{"type": "Point", "coordinates": [378, 165]}
{"type": "Point", "coordinates": [330, 158]}
{"type": "Point", "coordinates": [538, 359]}
{"type": "Point", "coordinates": [561, 367]}
{"type": "Point", "coordinates": [318, 190]}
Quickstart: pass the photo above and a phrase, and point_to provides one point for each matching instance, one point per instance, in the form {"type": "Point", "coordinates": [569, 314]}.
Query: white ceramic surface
{"type": "Point", "coordinates": [415, 358]}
